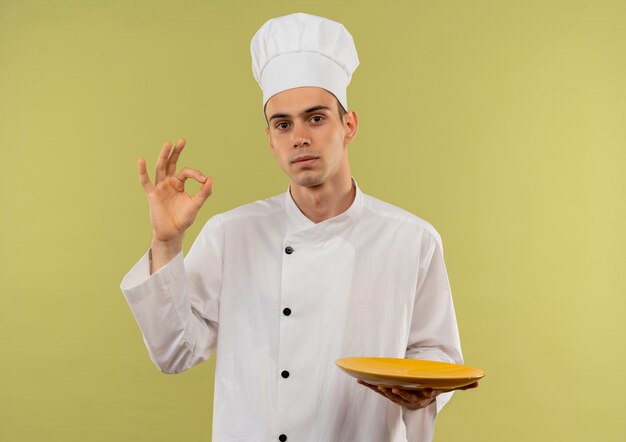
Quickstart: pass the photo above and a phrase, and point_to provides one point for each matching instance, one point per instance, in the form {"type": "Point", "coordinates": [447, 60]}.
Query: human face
{"type": "Point", "coordinates": [307, 137]}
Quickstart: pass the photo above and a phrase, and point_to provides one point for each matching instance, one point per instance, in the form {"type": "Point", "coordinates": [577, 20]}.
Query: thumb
{"type": "Point", "coordinates": [204, 192]}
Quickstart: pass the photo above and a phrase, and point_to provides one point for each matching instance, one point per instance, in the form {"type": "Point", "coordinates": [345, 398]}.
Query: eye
{"type": "Point", "coordinates": [317, 118]}
{"type": "Point", "coordinates": [282, 125]}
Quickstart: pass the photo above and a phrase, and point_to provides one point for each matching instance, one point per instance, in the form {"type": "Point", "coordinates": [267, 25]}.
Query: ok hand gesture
{"type": "Point", "coordinates": [172, 211]}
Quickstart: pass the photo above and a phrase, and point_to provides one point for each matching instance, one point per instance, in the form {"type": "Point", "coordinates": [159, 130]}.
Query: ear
{"type": "Point", "coordinates": [350, 124]}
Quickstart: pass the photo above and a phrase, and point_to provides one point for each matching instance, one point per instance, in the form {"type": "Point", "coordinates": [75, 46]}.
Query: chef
{"type": "Point", "coordinates": [282, 287]}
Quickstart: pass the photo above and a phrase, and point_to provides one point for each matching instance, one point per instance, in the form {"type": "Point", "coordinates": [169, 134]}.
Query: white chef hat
{"type": "Point", "coordinates": [303, 50]}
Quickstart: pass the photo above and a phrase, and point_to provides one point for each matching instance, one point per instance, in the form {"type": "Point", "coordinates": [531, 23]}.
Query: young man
{"type": "Point", "coordinates": [281, 288]}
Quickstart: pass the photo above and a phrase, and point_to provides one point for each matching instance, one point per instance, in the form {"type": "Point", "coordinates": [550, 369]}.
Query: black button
{"type": "Point", "coordinates": [287, 311]}
{"type": "Point", "coordinates": [282, 437]}
{"type": "Point", "coordinates": [289, 250]}
{"type": "Point", "coordinates": [285, 374]}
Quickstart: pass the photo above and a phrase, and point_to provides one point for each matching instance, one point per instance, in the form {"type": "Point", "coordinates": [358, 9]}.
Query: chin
{"type": "Point", "coordinates": [308, 180]}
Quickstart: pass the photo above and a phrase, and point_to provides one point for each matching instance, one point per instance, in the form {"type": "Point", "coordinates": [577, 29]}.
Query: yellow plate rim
{"type": "Point", "coordinates": [344, 364]}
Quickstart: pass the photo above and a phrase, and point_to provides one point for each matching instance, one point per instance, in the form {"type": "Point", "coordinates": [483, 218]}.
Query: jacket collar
{"type": "Point", "coordinates": [299, 226]}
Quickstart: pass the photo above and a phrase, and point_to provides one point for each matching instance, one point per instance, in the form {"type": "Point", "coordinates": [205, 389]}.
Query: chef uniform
{"type": "Point", "coordinates": [281, 298]}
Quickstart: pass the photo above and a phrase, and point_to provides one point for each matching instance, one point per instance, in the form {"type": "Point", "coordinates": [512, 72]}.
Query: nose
{"type": "Point", "coordinates": [301, 135]}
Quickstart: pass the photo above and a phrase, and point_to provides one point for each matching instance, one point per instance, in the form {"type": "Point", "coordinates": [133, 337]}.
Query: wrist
{"type": "Point", "coordinates": [162, 252]}
{"type": "Point", "coordinates": [169, 247]}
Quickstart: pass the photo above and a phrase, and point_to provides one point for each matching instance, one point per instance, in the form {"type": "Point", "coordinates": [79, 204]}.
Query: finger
{"type": "Point", "coordinates": [144, 179]}
{"type": "Point", "coordinates": [415, 399]}
{"type": "Point", "coordinates": [427, 393]}
{"type": "Point", "coordinates": [162, 162]}
{"type": "Point", "coordinates": [467, 387]}
{"type": "Point", "coordinates": [205, 191]}
{"type": "Point", "coordinates": [365, 384]}
{"type": "Point", "coordinates": [371, 387]}
{"type": "Point", "coordinates": [387, 391]}
{"type": "Point", "coordinates": [431, 393]}
{"type": "Point", "coordinates": [171, 162]}
{"type": "Point", "coordinates": [383, 393]}
{"type": "Point", "coordinates": [409, 396]}
{"type": "Point", "coordinates": [188, 172]}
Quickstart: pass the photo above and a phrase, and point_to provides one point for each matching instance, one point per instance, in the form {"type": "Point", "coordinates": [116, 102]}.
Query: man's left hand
{"type": "Point", "coordinates": [411, 399]}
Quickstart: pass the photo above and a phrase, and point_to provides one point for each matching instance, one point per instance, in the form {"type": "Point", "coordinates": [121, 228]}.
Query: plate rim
{"type": "Point", "coordinates": [480, 373]}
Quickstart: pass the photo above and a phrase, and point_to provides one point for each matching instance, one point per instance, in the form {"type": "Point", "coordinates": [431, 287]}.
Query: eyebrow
{"type": "Point", "coordinates": [307, 111]}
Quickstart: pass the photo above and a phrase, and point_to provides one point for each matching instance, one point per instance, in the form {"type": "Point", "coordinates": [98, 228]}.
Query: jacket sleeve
{"type": "Point", "coordinates": [434, 333]}
{"type": "Point", "coordinates": [177, 307]}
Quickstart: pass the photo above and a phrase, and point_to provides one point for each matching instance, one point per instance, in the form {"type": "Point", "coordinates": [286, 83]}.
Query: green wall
{"type": "Point", "coordinates": [500, 122]}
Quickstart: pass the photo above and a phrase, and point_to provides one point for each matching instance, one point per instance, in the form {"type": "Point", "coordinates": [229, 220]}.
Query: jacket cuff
{"type": "Point", "coordinates": [139, 283]}
{"type": "Point", "coordinates": [443, 399]}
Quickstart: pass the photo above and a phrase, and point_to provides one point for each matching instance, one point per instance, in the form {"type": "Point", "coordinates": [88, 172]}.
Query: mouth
{"type": "Point", "coordinates": [305, 159]}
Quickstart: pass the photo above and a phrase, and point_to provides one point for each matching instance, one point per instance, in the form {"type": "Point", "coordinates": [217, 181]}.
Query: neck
{"type": "Point", "coordinates": [325, 201]}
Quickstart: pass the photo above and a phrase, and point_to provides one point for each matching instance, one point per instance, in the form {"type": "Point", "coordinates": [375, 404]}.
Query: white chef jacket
{"type": "Point", "coordinates": [368, 282]}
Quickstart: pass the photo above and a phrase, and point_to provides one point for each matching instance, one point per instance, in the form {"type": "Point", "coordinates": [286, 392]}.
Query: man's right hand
{"type": "Point", "coordinates": [172, 211]}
